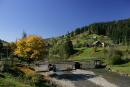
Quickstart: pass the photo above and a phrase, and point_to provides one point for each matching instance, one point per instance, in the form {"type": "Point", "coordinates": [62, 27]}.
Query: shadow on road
{"type": "Point", "coordinates": [74, 77]}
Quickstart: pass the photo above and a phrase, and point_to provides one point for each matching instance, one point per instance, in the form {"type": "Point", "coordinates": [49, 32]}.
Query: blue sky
{"type": "Point", "coordinates": [49, 18]}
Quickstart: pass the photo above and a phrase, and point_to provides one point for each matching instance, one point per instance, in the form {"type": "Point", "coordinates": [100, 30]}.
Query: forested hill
{"type": "Point", "coordinates": [118, 31]}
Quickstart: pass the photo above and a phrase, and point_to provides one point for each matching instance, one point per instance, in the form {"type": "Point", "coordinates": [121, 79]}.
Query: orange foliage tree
{"type": "Point", "coordinates": [31, 47]}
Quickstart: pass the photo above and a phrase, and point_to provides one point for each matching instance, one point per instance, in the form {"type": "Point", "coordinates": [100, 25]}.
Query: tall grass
{"type": "Point", "coordinates": [23, 81]}
{"type": "Point", "coordinates": [10, 81]}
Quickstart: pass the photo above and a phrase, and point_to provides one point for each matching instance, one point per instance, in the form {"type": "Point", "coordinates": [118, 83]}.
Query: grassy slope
{"type": "Point", "coordinates": [90, 38]}
{"type": "Point", "coordinates": [86, 54]}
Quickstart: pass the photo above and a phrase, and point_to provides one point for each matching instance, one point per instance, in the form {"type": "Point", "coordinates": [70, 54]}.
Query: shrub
{"type": "Point", "coordinates": [115, 59]}
{"type": "Point", "coordinates": [118, 52]}
{"type": "Point", "coordinates": [39, 81]}
{"type": "Point", "coordinates": [114, 56]}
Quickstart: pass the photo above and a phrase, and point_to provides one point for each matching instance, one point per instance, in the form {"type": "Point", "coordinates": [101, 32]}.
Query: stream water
{"type": "Point", "coordinates": [115, 78]}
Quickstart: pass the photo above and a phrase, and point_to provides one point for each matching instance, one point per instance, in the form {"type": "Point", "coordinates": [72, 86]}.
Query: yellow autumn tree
{"type": "Point", "coordinates": [31, 47]}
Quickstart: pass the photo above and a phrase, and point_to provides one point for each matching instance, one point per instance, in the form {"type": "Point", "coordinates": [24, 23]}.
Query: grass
{"type": "Point", "coordinates": [123, 68]}
{"type": "Point", "coordinates": [27, 79]}
{"type": "Point", "coordinates": [85, 54]}
{"type": "Point", "coordinates": [10, 81]}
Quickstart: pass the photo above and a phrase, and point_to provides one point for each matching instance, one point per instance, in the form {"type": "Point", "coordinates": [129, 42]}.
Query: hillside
{"type": "Point", "coordinates": [118, 31]}
{"type": "Point", "coordinates": [115, 35]}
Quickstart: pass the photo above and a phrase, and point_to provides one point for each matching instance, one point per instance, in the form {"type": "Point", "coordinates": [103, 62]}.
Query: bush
{"type": "Point", "coordinates": [39, 81]}
{"type": "Point", "coordinates": [115, 59]}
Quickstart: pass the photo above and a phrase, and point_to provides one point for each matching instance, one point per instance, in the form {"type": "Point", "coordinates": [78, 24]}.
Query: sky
{"type": "Point", "coordinates": [50, 18]}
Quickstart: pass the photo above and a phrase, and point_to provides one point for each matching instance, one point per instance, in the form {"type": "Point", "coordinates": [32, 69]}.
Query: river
{"type": "Point", "coordinates": [91, 78]}
{"type": "Point", "coordinates": [120, 80]}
